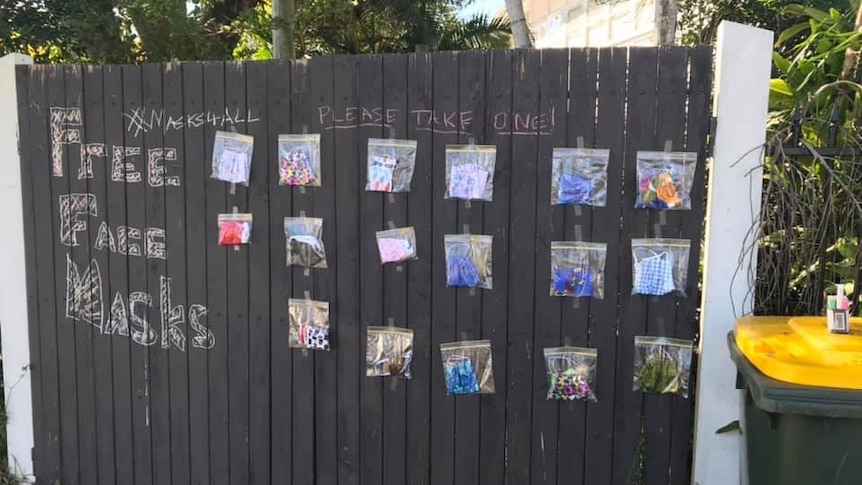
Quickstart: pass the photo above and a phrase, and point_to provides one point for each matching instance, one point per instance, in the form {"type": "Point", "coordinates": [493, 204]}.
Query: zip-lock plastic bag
{"type": "Point", "coordinates": [665, 180]}
{"type": "Point", "coordinates": [299, 160]}
{"type": "Point", "coordinates": [660, 266]}
{"type": "Point", "coordinates": [234, 229]}
{"type": "Point", "coordinates": [309, 324]}
{"type": "Point", "coordinates": [232, 157]}
{"type": "Point", "coordinates": [468, 260]}
{"type": "Point", "coordinates": [390, 165]}
{"type": "Point", "coordinates": [580, 176]}
{"type": "Point", "coordinates": [578, 269]}
{"type": "Point", "coordinates": [662, 365]}
{"type": "Point", "coordinates": [468, 367]}
{"type": "Point", "coordinates": [388, 352]}
{"type": "Point", "coordinates": [571, 373]}
{"type": "Point", "coordinates": [305, 242]}
{"type": "Point", "coordinates": [470, 172]}
{"type": "Point", "coordinates": [396, 245]}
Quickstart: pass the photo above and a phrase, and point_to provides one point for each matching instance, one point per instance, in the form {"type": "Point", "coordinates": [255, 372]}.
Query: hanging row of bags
{"type": "Point", "coordinates": [579, 176]}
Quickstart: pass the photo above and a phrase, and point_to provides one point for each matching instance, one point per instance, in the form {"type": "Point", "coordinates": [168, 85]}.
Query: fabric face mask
{"type": "Point", "coordinates": [380, 173]}
{"type": "Point", "coordinates": [461, 376]}
{"type": "Point", "coordinates": [394, 249]}
{"type": "Point", "coordinates": [654, 276]}
{"type": "Point", "coordinates": [574, 189]}
{"type": "Point", "coordinates": [467, 181]}
{"type": "Point", "coordinates": [296, 168]}
{"type": "Point", "coordinates": [461, 271]}
{"type": "Point", "coordinates": [577, 282]}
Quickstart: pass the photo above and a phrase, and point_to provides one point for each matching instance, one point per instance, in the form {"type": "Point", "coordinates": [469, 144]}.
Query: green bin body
{"type": "Point", "coordinates": [798, 435]}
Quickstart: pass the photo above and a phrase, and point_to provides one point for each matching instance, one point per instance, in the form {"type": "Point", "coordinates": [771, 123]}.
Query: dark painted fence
{"type": "Point", "coordinates": [161, 358]}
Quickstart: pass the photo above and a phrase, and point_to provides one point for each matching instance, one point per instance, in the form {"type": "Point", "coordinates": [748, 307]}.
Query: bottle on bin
{"type": "Point", "coordinates": [837, 312]}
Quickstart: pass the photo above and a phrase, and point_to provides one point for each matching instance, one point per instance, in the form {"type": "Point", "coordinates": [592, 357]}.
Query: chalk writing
{"type": "Point", "coordinates": [84, 293]}
{"type": "Point", "coordinates": [443, 122]}
{"type": "Point", "coordinates": [516, 123]}
{"type": "Point", "coordinates": [171, 317]}
{"type": "Point", "coordinates": [91, 150]}
{"type": "Point", "coordinates": [204, 339]}
{"type": "Point", "coordinates": [356, 116]}
{"type": "Point", "coordinates": [118, 323]}
{"type": "Point", "coordinates": [155, 238]}
{"type": "Point", "coordinates": [144, 120]}
{"type": "Point", "coordinates": [142, 332]}
{"type": "Point", "coordinates": [72, 206]}
{"type": "Point", "coordinates": [156, 171]}
{"type": "Point", "coordinates": [62, 120]}
{"type": "Point", "coordinates": [121, 170]}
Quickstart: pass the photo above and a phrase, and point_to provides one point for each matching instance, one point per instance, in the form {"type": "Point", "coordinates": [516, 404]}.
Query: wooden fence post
{"type": "Point", "coordinates": [743, 63]}
{"type": "Point", "coordinates": [14, 323]}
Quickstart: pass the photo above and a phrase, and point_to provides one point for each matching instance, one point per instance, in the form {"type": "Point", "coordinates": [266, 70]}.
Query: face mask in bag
{"type": "Point", "coordinates": [574, 189]}
{"type": "Point", "coordinates": [461, 271]}
{"type": "Point", "coordinates": [461, 376]}
{"type": "Point", "coordinates": [654, 276]}
{"type": "Point", "coordinates": [578, 281]}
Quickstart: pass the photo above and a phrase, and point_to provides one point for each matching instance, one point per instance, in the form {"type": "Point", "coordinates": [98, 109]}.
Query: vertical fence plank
{"type": "Point", "coordinates": [303, 281]}
{"type": "Point", "coordinates": [604, 321]}
{"type": "Point", "coordinates": [492, 447]}
{"type": "Point", "coordinates": [669, 126]}
{"type": "Point", "coordinates": [66, 342]}
{"type": "Point", "coordinates": [639, 129]}
{"type": "Point", "coordinates": [522, 275]}
{"type": "Point", "coordinates": [471, 100]}
{"type": "Point", "coordinates": [325, 363]}
{"type": "Point", "coordinates": [350, 347]}
{"type": "Point", "coordinates": [194, 183]}
{"type": "Point", "coordinates": [176, 333]}
{"type": "Point", "coordinates": [218, 317]}
{"type": "Point", "coordinates": [238, 291]}
{"type": "Point", "coordinates": [370, 94]}
{"type": "Point", "coordinates": [23, 75]}
{"type": "Point", "coordinates": [550, 132]}
{"type": "Point", "coordinates": [394, 108]}
{"type": "Point", "coordinates": [419, 295]}
{"type": "Point", "coordinates": [94, 121]}
{"type": "Point", "coordinates": [259, 268]}
{"type": "Point", "coordinates": [44, 240]}
{"type": "Point", "coordinates": [152, 238]}
{"type": "Point", "coordinates": [697, 127]}
{"type": "Point", "coordinates": [445, 99]}
{"type": "Point", "coordinates": [117, 289]}
{"type": "Point", "coordinates": [281, 366]}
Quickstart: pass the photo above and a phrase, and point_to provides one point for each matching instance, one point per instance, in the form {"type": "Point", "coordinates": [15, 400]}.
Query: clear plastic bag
{"type": "Point", "coordinates": [234, 229]}
{"type": "Point", "coordinates": [468, 260]}
{"type": "Point", "coordinates": [390, 165]}
{"type": "Point", "coordinates": [662, 365]}
{"type": "Point", "coordinates": [580, 176]}
{"type": "Point", "coordinates": [470, 172]}
{"type": "Point", "coordinates": [232, 157]}
{"type": "Point", "coordinates": [571, 373]}
{"type": "Point", "coordinates": [578, 269]}
{"type": "Point", "coordinates": [309, 324]}
{"type": "Point", "coordinates": [665, 180]}
{"type": "Point", "coordinates": [305, 242]}
{"type": "Point", "coordinates": [660, 266]}
{"type": "Point", "coordinates": [468, 367]}
{"type": "Point", "coordinates": [388, 352]}
{"type": "Point", "coordinates": [299, 160]}
{"type": "Point", "coordinates": [396, 245]}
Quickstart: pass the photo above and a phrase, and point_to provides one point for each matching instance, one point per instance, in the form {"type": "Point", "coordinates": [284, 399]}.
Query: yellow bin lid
{"type": "Point", "coordinates": [800, 350]}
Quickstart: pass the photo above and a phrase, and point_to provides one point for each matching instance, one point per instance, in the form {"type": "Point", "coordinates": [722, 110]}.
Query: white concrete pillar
{"type": "Point", "coordinates": [743, 68]}
{"type": "Point", "coordinates": [13, 293]}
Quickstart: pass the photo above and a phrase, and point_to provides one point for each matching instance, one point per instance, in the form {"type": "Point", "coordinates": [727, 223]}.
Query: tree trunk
{"type": "Point", "coordinates": [850, 70]}
{"type": "Point", "coordinates": [665, 21]}
{"type": "Point", "coordinates": [283, 25]}
{"type": "Point", "coordinates": [520, 30]}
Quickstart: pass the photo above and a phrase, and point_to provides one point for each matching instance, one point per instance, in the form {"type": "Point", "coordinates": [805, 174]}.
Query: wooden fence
{"type": "Point", "coordinates": [159, 357]}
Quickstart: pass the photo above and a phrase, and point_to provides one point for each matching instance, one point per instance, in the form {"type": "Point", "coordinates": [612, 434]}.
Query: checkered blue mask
{"type": "Point", "coordinates": [654, 275]}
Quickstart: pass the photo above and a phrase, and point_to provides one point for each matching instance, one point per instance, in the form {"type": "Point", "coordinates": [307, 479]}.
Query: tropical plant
{"type": "Point", "coordinates": [811, 215]}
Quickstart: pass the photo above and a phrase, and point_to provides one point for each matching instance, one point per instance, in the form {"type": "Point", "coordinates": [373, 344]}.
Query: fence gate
{"type": "Point", "coordinates": [160, 357]}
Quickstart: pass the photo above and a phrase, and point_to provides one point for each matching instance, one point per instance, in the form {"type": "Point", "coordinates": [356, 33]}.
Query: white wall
{"type": "Point", "coordinates": [13, 292]}
{"type": "Point", "coordinates": [743, 63]}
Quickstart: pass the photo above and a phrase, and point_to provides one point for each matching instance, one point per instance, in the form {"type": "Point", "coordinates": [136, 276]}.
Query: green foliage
{"type": "Point", "coordinates": [812, 210]}
{"type": "Point", "coordinates": [130, 31]}
{"type": "Point", "coordinates": [698, 19]}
